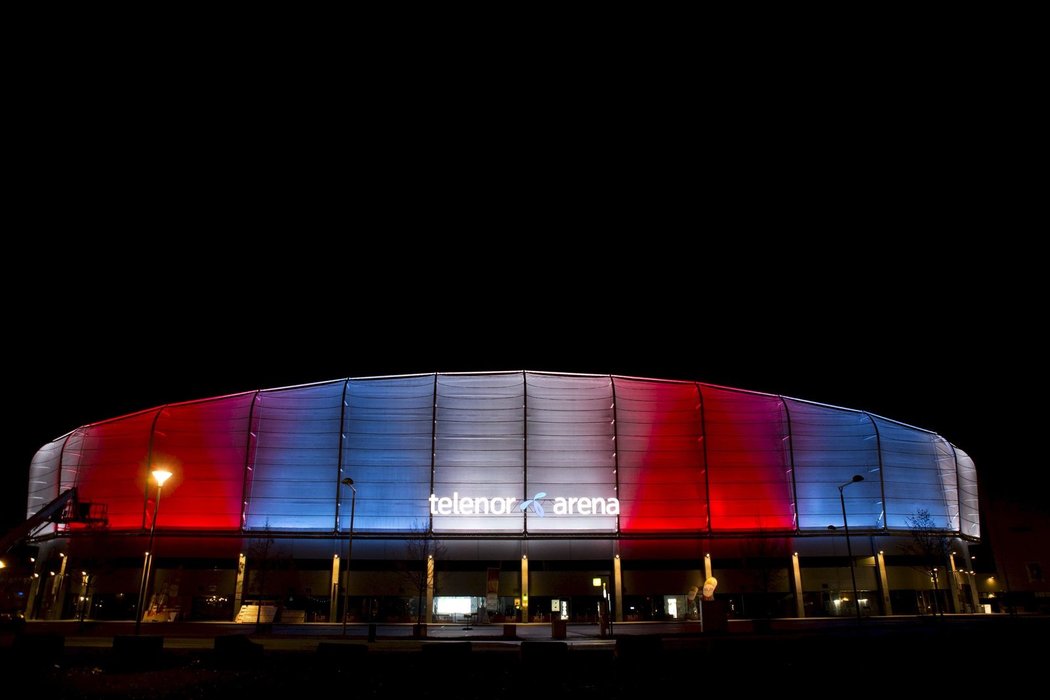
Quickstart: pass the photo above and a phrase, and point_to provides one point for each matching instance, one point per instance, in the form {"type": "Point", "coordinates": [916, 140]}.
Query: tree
{"type": "Point", "coordinates": [420, 549]}
{"type": "Point", "coordinates": [766, 574]}
{"type": "Point", "coordinates": [260, 551]}
{"type": "Point", "coordinates": [931, 545]}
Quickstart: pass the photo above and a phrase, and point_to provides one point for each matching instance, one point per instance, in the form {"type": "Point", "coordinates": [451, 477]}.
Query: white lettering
{"type": "Point", "coordinates": [444, 506]}
{"type": "Point", "coordinates": [502, 505]}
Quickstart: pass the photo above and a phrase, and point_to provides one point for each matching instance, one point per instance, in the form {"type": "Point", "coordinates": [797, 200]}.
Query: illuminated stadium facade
{"type": "Point", "coordinates": [503, 491]}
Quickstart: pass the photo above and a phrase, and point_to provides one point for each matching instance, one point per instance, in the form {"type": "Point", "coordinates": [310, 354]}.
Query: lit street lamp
{"type": "Point", "coordinates": [349, 550]}
{"type": "Point", "coordinates": [160, 476]}
{"type": "Point", "coordinates": [849, 549]}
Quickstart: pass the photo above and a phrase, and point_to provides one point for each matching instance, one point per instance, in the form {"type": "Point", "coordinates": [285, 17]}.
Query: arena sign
{"type": "Point", "coordinates": [505, 505]}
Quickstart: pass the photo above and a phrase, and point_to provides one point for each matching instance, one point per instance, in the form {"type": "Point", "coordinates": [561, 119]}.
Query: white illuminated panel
{"type": "Point", "coordinates": [969, 519]}
{"type": "Point", "coordinates": [480, 451]}
{"type": "Point", "coordinates": [571, 452]}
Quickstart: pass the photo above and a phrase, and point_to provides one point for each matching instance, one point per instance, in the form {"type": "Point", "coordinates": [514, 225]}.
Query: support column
{"type": "Point", "coordinates": [333, 604]}
{"type": "Point", "coordinates": [953, 582]}
{"type": "Point", "coordinates": [34, 591]}
{"type": "Point", "coordinates": [82, 609]}
{"type": "Point", "coordinates": [238, 588]}
{"type": "Point", "coordinates": [56, 590]}
{"type": "Point", "coordinates": [957, 597]}
{"type": "Point", "coordinates": [800, 605]}
{"type": "Point", "coordinates": [974, 599]}
{"type": "Point", "coordinates": [524, 587]}
{"type": "Point", "coordinates": [884, 585]}
{"type": "Point", "coordinates": [430, 590]}
{"type": "Point", "coordinates": [617, 590]}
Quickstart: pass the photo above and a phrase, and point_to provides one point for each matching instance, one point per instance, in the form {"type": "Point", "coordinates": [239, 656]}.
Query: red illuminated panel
{"type": "Point", "coordinates": [659, 456]}
{"type": "Point", "coordinates": [203, 444]}
{"type": "Point", "coordinates": [747, 460]}
{"type": "Point", "coordinates": [107, 464]}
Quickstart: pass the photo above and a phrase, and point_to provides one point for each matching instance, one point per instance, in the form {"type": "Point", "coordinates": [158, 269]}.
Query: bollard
{"type": "Point", "coordinates": [558, 629]}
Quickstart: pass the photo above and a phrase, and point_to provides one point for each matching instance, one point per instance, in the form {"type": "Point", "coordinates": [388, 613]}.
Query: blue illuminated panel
{"type": "Point", "coordinates": [294, 470]}
{"type": "Point", "coordinates": [387, 452]}
{"type": "Point", "coordinates": [831, 445]}
{"type": "Point", "coordinates": [915, 470]}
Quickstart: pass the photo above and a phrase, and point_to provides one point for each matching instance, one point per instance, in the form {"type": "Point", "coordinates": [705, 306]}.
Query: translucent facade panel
{"type": "Point", "coordinates": [295, 465]}
{"type": "Point", "coordinates": [204, 445]}
{"type": "Point", "coordinates": [747, 460]}
{"type": "Point", "coordinates": [829, 446]}
{"type": "Point", "coordinates": [107, 463]}
{"type": "Point", "coordinates": [480, 451]}
{"type": "Point", "coordinates": [969, 517]}
{"type": "Point", "coordinates": [571, 451]}
{"type": "Point", "coordinates": [948, 479]}
{"type": "Point", "coordinates": [912, 474]}
{"type": "Point", "coordinates": [44, 476]}
{"type": "Point", "coordinates": [660, 452]}
{"type": "Point", "coordinates": [387, 452]}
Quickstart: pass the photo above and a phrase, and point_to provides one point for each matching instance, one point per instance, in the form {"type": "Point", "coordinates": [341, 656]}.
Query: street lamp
{"type": "Point", "coordinates": [849, 549]}
{"type": "Point", "coordinates": [160, 476]}
{"type": "Point", "coordinates": [349, 550]}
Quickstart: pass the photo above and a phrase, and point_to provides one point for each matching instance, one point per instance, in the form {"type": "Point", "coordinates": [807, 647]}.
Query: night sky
{"type": "Point", "coordinates": [947, 360]}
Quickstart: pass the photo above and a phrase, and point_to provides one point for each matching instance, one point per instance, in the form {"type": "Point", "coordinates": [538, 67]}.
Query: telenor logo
{"type": "Point", "coordinates": [506, 505]}
{"type": "Point", "coordinates": [534, 504]}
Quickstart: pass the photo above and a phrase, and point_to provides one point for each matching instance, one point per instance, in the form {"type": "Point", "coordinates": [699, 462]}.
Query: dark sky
{"type": "Point", "coordinates": [947, 359]}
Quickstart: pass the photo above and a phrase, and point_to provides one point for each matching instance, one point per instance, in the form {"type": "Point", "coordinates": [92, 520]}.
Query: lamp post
{"type": "Point", "coordinates": [849, 549]}
{"type": "Point", "coordinates": [349, 550]}
{"type": "Point", "coordinates": [160, 476]}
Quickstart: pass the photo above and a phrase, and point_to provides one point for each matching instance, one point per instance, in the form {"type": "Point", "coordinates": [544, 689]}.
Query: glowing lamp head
{"type": "Point", "coordinates": [161, 475]}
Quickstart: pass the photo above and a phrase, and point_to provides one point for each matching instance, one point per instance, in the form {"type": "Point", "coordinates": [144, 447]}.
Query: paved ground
{"type": "Point", "coordinates": [106, 660]}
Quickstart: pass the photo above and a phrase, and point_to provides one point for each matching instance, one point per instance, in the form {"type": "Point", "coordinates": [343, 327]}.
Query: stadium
{"type": "Point", "coordinates": [507, 496]}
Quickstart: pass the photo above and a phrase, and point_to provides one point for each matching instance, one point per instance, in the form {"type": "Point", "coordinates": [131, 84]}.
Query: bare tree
{"type": "Point", "coordinates": [766, 572]}
{"type": "Point", "coordinates": [261, 550]}
{"type": "Point", "coordinates": [419, 550]}
{"type": "Point", "coordinates": [932, 546]}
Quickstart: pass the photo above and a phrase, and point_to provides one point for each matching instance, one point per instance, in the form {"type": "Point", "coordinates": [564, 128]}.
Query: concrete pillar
{"type": "Point", "coordinates": [56, 589]}
{"type": "Point", "coordinates": [884, 585]}
{"type": "Point", "coordinates": [333, 604]}
{"type": "Point", "coordinates": [238, 588]}
{"type": "Point", "coordinates": [800, 605]}
{"type": "Point", "coordinates": [84, 603]}
{"type": "Point", "coordinates": [949, 582]}
{"type": "Point", "coordinates": [430, 589]}
{"type": "Point", "coordinates": [524, 587]}
{"type": "Point", "coordinates": [974, 599]}
{"type": "Point", "coordinates": [617, 590]}
{"type": "Point", "coordinates": [958, 579]}
{"type": "Point", "coordinates": [34, 591]}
